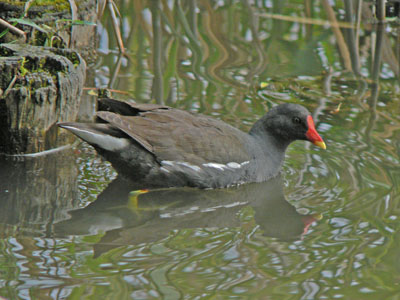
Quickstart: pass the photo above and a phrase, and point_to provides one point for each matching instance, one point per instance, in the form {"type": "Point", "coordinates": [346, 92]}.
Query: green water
{"type": "Point", "coordinates": [327, 228]}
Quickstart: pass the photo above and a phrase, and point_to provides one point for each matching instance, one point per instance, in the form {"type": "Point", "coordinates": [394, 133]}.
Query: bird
{"type": "Point", "coordinates": [158, 146]}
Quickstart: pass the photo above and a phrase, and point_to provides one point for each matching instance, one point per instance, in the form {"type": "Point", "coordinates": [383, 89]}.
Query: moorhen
{"type": "Point", "coordinates": [160, 146]}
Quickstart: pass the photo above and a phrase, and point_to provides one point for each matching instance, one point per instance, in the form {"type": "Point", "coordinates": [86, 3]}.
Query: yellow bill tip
{"type": "Point", "coordinates": [320, 144]}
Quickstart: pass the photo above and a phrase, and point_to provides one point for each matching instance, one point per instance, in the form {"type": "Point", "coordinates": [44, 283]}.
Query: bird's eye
{"type": "Point", "coordinates": [296, 120]}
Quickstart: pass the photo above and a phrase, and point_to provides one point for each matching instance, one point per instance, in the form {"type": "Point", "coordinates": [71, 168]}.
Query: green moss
{"type": "Point", "coordinates": [73, 57]}
{"type": "Point", "coordinates": [60, 5]}
{"type": "Point", "coordinates": [22, 69]}
{"type": "Point", "coordinates": [14, 2]}
{"type": "Point", "coordinates": [29, 65]}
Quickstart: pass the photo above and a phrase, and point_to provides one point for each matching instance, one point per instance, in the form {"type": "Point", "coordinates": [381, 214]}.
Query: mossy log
{"type": "Point", "coordinates": [39, 87]}
{"type": "Point", "coordinates": [58, 16]}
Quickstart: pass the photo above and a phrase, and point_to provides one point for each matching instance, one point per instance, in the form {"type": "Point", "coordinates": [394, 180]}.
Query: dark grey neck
{"type": "Point", "coordinates": [261, 130]}
{"type": "Point", "coordinates": [269, 149]}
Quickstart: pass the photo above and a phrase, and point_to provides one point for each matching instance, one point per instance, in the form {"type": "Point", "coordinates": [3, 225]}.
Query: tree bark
{"type": "Point", "coordinates": [40, 87]}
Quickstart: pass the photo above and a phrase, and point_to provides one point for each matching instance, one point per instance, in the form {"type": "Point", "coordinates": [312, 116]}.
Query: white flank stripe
{"type": "Point", "coordinates": [233, 165]}
{"type": "Point", "coordinates": [164, 170]}
{"type": "Point", "coordinates": [167, 162]}
{"type": "Point", "coordinates": [193, 167]}
{"type": "Point", "coordinates": [221, 167]}
{"type": "Point", "coordinates": [180, 163]}
{"type": "Point", "coordinates": [104, 141]}
{"type": "Point", "coordinates": [230, 165]}
{"type": "Point", "coordinates": [215, 165]}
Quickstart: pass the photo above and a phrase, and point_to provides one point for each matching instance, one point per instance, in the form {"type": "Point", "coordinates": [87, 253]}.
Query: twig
{"type": "Point", "coordinates": [10, 86]}
{"type": "Point", "coordinates": [101, 5]}
{"type": "Point", "coordinates": [13, 28]}
{"type": "Point", "coordinates": [27, 6]}
{"type": "Point", "coordinates": [116, 26]}
{"type": "Point", "coordinates": [305, 20]}
{"type": "Point", "coordinates": [45, 152]}
{"type": "Point", "coordinates": [74, 32]}
{"type": "Point", "coordinates": [115, 71]}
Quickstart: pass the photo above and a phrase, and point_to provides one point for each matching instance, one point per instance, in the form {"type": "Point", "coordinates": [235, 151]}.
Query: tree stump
{"type": "Point", "coordinates": [39, 87]}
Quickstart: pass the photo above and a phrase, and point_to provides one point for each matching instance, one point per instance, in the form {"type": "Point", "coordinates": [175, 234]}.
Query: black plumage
{"type": "Point", "coordinates": [160, 146]}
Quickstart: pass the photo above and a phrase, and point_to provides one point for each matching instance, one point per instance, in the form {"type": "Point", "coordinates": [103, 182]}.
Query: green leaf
{"type": "Point", "coordinates": [4, 32]}
{"type": "Point", "coordinates": [28, 23]}
{"type": "Point", "coordinates": [78, 22]}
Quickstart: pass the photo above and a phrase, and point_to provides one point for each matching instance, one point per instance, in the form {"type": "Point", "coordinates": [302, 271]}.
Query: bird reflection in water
{"type": "Point", "coordinates": [130, 216]}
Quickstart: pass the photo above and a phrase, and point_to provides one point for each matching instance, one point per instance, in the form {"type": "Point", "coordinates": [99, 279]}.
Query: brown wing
{"type": "Point", "coordinates": [173, 134]}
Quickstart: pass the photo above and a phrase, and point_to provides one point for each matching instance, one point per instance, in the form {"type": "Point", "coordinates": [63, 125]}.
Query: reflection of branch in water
{"type": "Point", "coordinates": [193, 16]}
{"type": "Point", "coordinates": [115, 71]}
{"type": "Point", "coordinates": [158, 85]}
{"type": "Point", "coordinates": [317, 112]}
{"type": "Point", "coordinates": [261, 61]}
{"type": "Point", "coordinates": [358, 23]}
{"type": "Point", "coordinates": [327, 81]}
{"type": "Point", "coordinates": [194, 43]}
{"type": "Point", "coordinates": [213, 26]}
{"type": "Point", "coordinates": [377, 53]}
{"type": "Point", "coordinates": [308, 10]}
{"type": "Point", "coordinates": [376, 68]}
{"type": "Point", "coordinates": [306, 20]}
{"type": "Point", "coordinates": [343, 50]}
{"type": "Point", "coordinates": [388, 56]}
{"type": "Point", "coordinates": [351, 39]}
{"type": "Point", "coordinates": [362, 89]}
{"type": "Point", "coordinates": [376, 49]}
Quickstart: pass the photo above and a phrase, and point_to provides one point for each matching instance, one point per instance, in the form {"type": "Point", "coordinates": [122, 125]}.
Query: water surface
{"type": "Point", "coordinates": [326, 228]}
